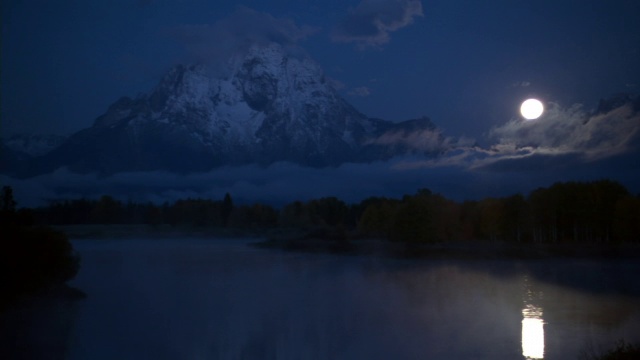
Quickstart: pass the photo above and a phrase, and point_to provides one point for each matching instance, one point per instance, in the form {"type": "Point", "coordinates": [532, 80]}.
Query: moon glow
{"type": "Point", "coordinates": [531, 109]}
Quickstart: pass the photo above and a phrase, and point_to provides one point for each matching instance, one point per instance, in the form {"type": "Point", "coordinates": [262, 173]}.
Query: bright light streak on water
{"type": "Point", "coordinates": [532, 333]}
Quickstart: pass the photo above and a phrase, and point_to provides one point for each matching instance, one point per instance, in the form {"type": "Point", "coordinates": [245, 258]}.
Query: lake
{"type": "Point", "coordinates": [221, 299]}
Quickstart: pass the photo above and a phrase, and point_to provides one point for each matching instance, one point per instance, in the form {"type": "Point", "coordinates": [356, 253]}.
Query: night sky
{"type": "Point", "coordinates": [465, 64]}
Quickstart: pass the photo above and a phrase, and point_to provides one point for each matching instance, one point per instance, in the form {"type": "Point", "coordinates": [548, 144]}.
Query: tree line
{"type": "Point", "coordinates": [580, 212]}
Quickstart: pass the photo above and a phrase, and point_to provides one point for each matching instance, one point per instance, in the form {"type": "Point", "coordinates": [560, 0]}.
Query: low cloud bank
{"type": "Point", "coordinates": [282, 183]}
{"type": "Point", "coordinates": [277, 184]}
{"type": "Point", "coordinates": [426, 140]}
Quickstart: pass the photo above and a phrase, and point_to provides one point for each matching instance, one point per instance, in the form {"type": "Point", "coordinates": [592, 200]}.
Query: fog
{"type": "Point", "coordinates": [282, 183]}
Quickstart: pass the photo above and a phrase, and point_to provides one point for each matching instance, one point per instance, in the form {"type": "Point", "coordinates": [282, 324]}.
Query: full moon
{"type": "Point", "coordinates": [531, 109]}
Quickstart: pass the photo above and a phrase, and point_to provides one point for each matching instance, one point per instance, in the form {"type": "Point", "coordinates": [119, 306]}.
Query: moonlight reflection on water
{"type": "Point", "coordinates": [532, 321]}
{"type": "Point", "coordinates": [532, 333]}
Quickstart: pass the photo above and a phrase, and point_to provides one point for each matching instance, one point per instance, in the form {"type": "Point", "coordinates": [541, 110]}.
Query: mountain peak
{"type": "Point", "coordinates": [270, 104]}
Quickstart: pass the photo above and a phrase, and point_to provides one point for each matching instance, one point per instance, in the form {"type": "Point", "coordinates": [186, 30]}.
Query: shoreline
{"type": "Point", "coordinates": [309, 241]}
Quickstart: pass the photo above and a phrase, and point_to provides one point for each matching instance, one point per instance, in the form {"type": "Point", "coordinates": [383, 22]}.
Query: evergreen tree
{"type": "Point", "coordinates": [7, 203]}
{"type": "Point", "coordinates": [227, 208]}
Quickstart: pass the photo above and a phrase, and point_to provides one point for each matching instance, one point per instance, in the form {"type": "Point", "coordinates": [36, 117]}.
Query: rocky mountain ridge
{"type": "Point", "coordinates": [265, 106]}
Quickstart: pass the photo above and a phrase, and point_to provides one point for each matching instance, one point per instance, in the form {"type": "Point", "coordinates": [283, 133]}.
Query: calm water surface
{"type": "Point", "coordinates": [198, 299]}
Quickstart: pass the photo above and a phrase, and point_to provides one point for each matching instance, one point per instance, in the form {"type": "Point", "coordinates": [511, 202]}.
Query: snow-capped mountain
{"type": "Point", "coordinates": [266, 105]}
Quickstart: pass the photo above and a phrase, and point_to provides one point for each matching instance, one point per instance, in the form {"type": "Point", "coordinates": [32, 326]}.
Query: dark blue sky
{"type": "Point", "coordinates": [466, 64]}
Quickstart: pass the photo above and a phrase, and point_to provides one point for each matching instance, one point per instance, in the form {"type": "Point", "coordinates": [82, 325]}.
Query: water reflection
{"type": "Point", "coordinates": [532, 333]}
{"type": "Point", "coordinates": [532, 325]}
{"type": "Point", "coordinates": [209, 300]}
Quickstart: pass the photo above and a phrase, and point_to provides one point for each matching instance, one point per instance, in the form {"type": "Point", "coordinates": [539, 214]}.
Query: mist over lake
{"type": "Point", "coordinates": [221, 299]}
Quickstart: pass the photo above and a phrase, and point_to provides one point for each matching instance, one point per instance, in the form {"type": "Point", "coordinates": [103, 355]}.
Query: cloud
{"type": "Point", "coordinates": [277, 184]}
{"type": "Point", "coordinates": [210, 43]}
{"type": "Point", "coordinates": [282, 183]}
{"type": "Point", "coordinates": [521, 84]}
{"type": "Point", "coordinates": [361, 91]}
{"type": "Point", "coordinates": [560, 139]}
{"type": "Point", "coordinates": [370, 23]}
{"type": "Point", "coordinates": [336, 84]}
{"type": "Point", "coordinates": [572, 131]}
{"type": "Point", "coordinates": [429, 141]}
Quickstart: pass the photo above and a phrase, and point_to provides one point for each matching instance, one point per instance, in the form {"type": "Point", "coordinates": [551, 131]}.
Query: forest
{"type": "Point", "coordinates": [602, 211]}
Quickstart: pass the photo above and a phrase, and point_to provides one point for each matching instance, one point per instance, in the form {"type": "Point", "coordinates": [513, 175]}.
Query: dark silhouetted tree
{"type": "Point", "coordinates": [626, 223]}
{"type": "Point", "coordinates": [516, 218]}
{"type": "Point", "coordinates": [491, 219]}
{"type": "Point", "coordinates": [445, 218]}
{"type": "Point", "coordinates": [108, 211]}
{"type": "Point", "coordinates": [413, 222]}
{"type": "Point", "coordinates": [32, 258]}
{"type": "Point", "coordinates": [7, 202]}
{"type": "Point", "coordinates": [378, 216]}
{"type": "Point", "coordinates": [328, 211]}
{"type": "Point", "coordinates": [254, 216]}
{"type": "Point", "coordinates": [295, 214]}
{"type": "Point", "coordinates": [470, 221]}
{"type": "Point", "coordinates": [226, 209]}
